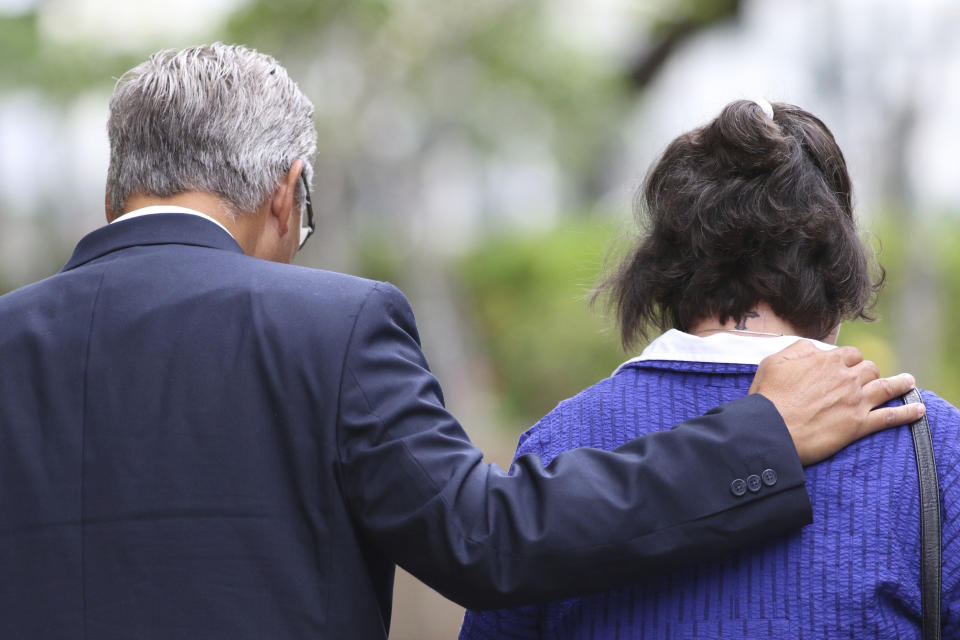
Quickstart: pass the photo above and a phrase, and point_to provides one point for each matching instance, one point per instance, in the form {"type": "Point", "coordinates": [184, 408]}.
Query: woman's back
{"type": "Point", "coordinates": [853, 573]}
{"type": "Point", "coordinates": [748, 233]}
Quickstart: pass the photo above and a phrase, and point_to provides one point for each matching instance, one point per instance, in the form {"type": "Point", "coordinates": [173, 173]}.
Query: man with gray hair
{"type": "Point", "coordinates": [200, 440]}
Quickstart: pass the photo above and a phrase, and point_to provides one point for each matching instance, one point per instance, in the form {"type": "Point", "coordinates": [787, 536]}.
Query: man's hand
{"type": "Point", "coordinates": [827, 398]}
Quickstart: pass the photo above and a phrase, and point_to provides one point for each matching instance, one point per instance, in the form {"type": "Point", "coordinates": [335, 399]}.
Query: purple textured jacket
{"type": "Point", "coordinates": [853, 573]}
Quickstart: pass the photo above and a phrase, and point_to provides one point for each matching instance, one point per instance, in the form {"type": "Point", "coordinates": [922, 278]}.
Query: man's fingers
{"type": "Point", "coordinates": [867, 371]}
{"type": "Point", "coordinates": [881, 390]}
{"type": "Point", "coordinates": [850, 355]}
{"type": "Point", "coordinates": [880, 419]}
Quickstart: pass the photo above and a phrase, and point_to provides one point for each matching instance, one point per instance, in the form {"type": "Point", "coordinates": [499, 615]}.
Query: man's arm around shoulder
{"type": "Point", "coordinates": [591, 520]}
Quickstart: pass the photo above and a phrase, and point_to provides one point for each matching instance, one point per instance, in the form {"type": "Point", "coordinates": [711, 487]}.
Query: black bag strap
{"type": "Point", "coordinates": [929, 522]}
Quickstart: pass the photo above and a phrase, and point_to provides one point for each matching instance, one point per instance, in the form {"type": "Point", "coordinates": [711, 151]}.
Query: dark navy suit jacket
{"type": "Point", "coordinates": [199, 444]}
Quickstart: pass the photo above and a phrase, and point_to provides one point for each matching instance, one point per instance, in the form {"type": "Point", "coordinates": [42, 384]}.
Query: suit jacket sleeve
{"type": "Point", "coordinates": [590, 520]}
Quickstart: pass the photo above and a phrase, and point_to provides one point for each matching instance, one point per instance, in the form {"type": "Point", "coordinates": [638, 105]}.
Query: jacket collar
{"type": "Point", "coordinates": [160, 228]}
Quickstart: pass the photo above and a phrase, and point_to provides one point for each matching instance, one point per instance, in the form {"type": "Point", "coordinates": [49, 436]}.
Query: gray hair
{"type": "Point", "coordinates": [217, 118]}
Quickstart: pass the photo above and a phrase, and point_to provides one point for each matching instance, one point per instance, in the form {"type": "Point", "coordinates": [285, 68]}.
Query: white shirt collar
{"type": "Point", "coordinates": [146, 211]}
{"type": "Point", "coordinates": [720, 347]}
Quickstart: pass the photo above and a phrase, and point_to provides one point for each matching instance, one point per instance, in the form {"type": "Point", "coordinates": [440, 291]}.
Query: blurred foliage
{"type": "Point", "coordinates": [528, 297]}
{"type": "Point", "coordinates": [696, 12]}
{"type": "Point", "coordinates": [895, 239]}
{"type": "Point", "coordinates": [876, 338]}
{"type": "Point", "coordinates": [945, 239]}
{"type": "Point", "coordinates": [398, 87]}
{"type": "Point", "coordinates": [59, 70]}
{"type": "Point", "coordinates": [496, 79]}
{"type": "Point", "coordinates": [281, 24]}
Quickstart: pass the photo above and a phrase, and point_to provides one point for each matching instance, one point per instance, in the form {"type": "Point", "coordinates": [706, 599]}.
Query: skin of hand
{"type": "Point", "coordinates": [827, 398]}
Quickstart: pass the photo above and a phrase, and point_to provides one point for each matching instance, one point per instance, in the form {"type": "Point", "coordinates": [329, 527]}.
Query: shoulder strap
{"type": "Point", "coordinates": [929, 522]}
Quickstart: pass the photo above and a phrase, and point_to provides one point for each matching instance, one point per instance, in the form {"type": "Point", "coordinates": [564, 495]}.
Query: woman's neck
{"type": "Point", "coordinates": [759, 321]}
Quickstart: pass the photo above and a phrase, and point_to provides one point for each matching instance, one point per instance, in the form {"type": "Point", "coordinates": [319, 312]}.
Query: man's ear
{"type": "Point", "coordinates": [106, 206]}
{"type": "Point", "coordinates": [282, 203]}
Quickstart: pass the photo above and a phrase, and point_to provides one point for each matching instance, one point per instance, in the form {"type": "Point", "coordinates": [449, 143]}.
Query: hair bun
{"type": "Point", "coordinates": [744, 139]}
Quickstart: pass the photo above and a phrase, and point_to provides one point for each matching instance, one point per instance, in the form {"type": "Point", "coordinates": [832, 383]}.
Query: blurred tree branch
{"type": "Point", "coordinates": [687, 18]}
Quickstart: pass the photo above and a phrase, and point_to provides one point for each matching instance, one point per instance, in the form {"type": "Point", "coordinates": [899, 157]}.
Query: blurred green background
{"type": "Point", "coordinates": [483, 156]}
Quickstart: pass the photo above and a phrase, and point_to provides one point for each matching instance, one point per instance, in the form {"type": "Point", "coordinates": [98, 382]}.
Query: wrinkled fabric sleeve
{"type": "Point", "coordinates": [591, 520]}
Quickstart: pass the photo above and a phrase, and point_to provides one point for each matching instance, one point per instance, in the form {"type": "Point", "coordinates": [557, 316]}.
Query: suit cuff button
{"type": "Point", "coordinates": [753, 483]}
{"type": "Point", "coordinates": [769, 477]}
{"type": "Point", "coordinates": [738, 487]}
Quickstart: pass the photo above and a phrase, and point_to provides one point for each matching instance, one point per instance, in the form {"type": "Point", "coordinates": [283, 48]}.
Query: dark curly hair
{"type": "Point", "coordinates": [743, 210]}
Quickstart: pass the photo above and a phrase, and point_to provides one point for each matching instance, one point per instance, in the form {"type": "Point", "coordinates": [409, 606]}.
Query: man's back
{"type": "Point", "coordinates": [168, 443]}
{"type": "Point", "coordinates": [855, 572]}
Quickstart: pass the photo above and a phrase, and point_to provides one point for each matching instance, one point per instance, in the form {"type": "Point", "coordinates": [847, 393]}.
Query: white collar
{"type": "Point", "coordinates": [720, 347]}
{"type": "Point", "coordinates": [157, 208]}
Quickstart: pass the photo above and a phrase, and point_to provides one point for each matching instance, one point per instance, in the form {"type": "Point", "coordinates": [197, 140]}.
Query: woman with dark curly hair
{"type": "Point", "coordinates": [750, 245]}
